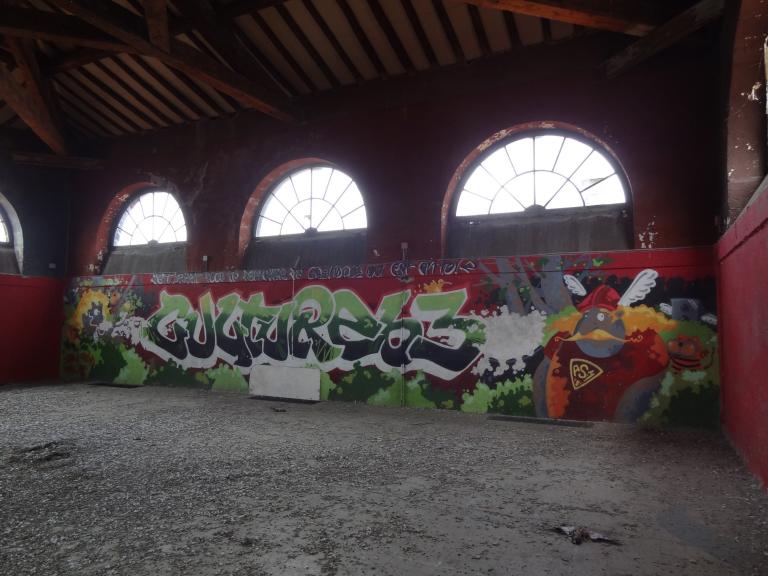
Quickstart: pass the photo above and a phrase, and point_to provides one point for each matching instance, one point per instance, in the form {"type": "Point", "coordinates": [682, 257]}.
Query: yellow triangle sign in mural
{"type": "Point", "coordinates": [583, 372]}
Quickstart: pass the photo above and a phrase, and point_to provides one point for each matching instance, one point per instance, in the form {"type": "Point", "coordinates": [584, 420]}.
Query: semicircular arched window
{"type": "Point", "coordinates": [311, 199]}
{"type": "Point", "coordinates": [5, 235]}
{"type": "Point", "coordinates": [151, 218]}
{"type": "Point", "coordinates": [540, 171]}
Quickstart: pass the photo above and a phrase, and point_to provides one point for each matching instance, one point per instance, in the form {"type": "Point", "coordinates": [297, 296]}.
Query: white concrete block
{"type": "Point", "coordinates": [285, 382]}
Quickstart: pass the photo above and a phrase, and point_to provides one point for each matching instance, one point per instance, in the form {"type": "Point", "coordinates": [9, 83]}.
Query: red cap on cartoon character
{"type": "Point", "coordinates": [601, 297]}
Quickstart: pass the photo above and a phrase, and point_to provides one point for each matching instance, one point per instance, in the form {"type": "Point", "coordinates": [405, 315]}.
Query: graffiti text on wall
{"type": "Point", "coordinates": [334, 329]}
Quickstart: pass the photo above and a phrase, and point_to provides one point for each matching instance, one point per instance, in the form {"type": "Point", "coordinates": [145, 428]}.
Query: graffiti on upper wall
{"type": "Point", "coordinates": [400, 269]}
{"type": "Point", "coordinates": [588, 337]}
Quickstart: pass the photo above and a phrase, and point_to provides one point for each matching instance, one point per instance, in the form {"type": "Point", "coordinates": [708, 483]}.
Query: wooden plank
{"type": "Point", "coordinates": [679, 27]}
{"type": "Point", "coordinates": [362, 37]}
{"type": "Point", "coordinates": [46, 120]}
{"type": "Point", "coordinates": [156, 16]}
{"type": "Point", "coordinates": [448, 29]}
{"type": "Point", "coordinates": [477, 25]}
{"type": "Point", "coordinates": [418, 29]}
{"type": "Point", "coordinates": [308, 46]}
{"type": "Point", "coordinates": [331, 36]}
{"type": "Point", "coordinates": [624, 16]}
{"type": "Point", "coordinates": [222, 34]}
{"type": "Point", "coordinates": [126, 27]}
{"type": "Point", "coordinates": [39, 25]}
{"type": "Point", "coordinates": [391, 34]}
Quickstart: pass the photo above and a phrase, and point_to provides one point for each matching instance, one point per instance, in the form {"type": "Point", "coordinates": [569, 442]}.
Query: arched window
{"type": "Point", "coordinates": [11, 241]}
{"type": "Point", "coordinates": [150, 236]}
{"type": "Point", "coordinates": [539, 191]}
{"type": "Point", "coordinates": [151, 218]}
{"type": "Point", "coordinates": [312, 199]}
{"type": "Point", "coordinates": [5, 234]}
{"type": "Point", "coordinates": [540, 170]}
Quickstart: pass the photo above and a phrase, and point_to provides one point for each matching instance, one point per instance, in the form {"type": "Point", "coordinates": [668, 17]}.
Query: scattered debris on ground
{"type": "Point", "coordinates": [106, 481]}
{"type": "Point", "coordinates": [579, 534]}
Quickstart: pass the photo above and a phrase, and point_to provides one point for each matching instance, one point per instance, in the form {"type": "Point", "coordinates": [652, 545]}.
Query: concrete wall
{"type": "Point", "coordinates": [403, 141]}
{"type": "Point", "coordinates": [743, 293]}
{"type": "Point", "coordinates": [31, 334]}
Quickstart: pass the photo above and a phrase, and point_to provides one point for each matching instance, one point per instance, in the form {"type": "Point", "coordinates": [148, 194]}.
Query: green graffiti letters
{"type": "Point", "coordinates": [318, 326]}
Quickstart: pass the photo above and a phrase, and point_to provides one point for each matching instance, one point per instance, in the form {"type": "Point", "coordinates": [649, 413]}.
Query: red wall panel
{"type": "Point", "coordinates": [31, 328]}
{"type": "Point", "coordinates": [743, 273]}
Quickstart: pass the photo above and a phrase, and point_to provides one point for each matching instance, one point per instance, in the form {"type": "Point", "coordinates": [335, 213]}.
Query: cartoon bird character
{"type": "Point", "coordinates": [610, 363]}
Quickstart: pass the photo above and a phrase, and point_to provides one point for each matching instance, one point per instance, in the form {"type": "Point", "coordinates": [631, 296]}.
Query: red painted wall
{"type": "Point", "coordinates": [403, 140]}
{"type": "Point", "coordinates": [743, 275]}
{"type": "Point", "coordinates": [31, 328]}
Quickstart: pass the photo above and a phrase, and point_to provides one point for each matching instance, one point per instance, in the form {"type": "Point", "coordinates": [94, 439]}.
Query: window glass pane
{"type": "Point", "coordinates": [499, 165]}
{"type": "Point", "coordinates": [152, 217]}
{"type": "Point", "coordinates": [547, 150]}
{"type": "Point", "coordinates": [609, 191]}
{"type": "Point", "coordinates": [594, 169]}
{"type": "Point", "coordinates": [331, 222]}
{"type": "Point", "coordinates": [522, 189]}
{"type": "Point", "coordinates": [291, 225]}
{"type": "Point", "coordinates": [482, 183]}
{"type": "Point", "coordinates": [302, 183]}
{"type": "Point", "coordinates": [568, 173]}
{"type": "Point", "coordinates": [356, 219]}
{"type": "Point", "coordinates": [274, 209]}
{"type": "Point", "coordinates": [504, 202]}
{"type": "Point", "coordinates": [568, 197]}
{"type": "Point", "coordinates": [571, 156]}
{"type": "Point", "coordinates": [521, 153]}
{"type": "Point", "coordinates": [471, 205]}
{"type": "Point", "coordinates": [337, 186]}
{"type": "Point", "coordinates": [267, 228]}
{"type": "Point", "coordinates": [324, 199]}
{"type": "Point", "coordinates": [321, 176]}
{"type": "Point", "coordinates": [4, 236]}
{"type": "Point", "coordinates": [547, 185]}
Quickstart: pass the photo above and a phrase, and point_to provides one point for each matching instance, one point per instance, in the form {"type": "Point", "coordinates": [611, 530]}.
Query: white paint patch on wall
{"type": "Point", "coordinates": [285, 382]}
{"type": "Point", "coordinates": [509, 336]}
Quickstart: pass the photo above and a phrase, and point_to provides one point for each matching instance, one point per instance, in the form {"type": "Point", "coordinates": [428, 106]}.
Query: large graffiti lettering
{"type": "Point", "coordinates": [333, 330]}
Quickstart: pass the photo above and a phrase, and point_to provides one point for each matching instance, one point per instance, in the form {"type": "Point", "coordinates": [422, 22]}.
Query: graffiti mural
{"type": "Point", "coordinates": [584, 336]}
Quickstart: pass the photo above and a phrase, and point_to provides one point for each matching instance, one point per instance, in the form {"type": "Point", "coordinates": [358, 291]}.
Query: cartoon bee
{"type": "Point", "coordinates": [687, 353]}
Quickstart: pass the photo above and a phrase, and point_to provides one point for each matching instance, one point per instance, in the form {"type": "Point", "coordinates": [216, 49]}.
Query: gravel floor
{"type": "Point", "coordinates": [101, 480]}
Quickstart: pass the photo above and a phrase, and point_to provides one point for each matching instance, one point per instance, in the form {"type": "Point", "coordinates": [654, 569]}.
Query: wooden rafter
{"type": "Point", "coordinates": [38, 25]}
{"type": "Point", "coordinates": [125, 26]}
{"type": "Point", "coordinates": [679, 27]}
{"type": "Point", "coordinates": [31, 98]}
{"type": "Point", "coordinates": [221, 33]}
{"type": "Point", "coordinates": [624, 16]}
{"type": "Point", "coordinates": [156, 16]}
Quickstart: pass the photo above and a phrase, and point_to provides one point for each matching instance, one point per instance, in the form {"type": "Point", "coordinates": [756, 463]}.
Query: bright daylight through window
{"type": "Point", "coordinates": [316, 199]}
{"type": "Point", "coordinates": [153, 217]}
{"type": "Point", "coordinates": [545, 171]}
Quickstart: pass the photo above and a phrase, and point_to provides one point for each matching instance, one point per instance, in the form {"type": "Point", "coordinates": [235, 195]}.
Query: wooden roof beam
{"type": "Point", "coordinates": [624, 16]}
{"type": "Point", "coordinates": [679, 27]}
{"type": "Point", "coordinates": [221, 33]}
{"type": "Point", "coordinates": [156, 16]}
{"type": "Point", "coordinates": [22, 100]}
{"type": "Point", "coordinates": [39, 25]}
{"type": "Point", "coordinates": [126, 27]}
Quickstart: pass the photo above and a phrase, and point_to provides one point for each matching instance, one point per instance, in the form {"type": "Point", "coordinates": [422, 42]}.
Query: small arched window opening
{"type": "Point", "coordinates": [11, 244]}
{"type": "Point", "coordinates": [313, 215]}
{"type": "Point", "coordinates": [150, 236]}
{"type": "Point", "coordinates": [541, 191]}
